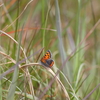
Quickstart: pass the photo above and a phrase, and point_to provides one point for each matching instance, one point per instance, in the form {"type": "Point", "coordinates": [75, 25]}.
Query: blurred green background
{"type": "Point", "coordinates": [69, 29]}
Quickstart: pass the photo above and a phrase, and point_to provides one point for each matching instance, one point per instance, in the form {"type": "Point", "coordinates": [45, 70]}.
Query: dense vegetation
{"type": "Point", "coordinates": [69, 29]}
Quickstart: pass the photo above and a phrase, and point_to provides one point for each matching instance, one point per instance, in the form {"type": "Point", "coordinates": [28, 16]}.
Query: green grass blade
{"type": "Point", "coordinates": [59, 34]}
{"type": "Point", "coordinates": [77, 56]}
{"type": "Point", "coordinates": [15, 75]}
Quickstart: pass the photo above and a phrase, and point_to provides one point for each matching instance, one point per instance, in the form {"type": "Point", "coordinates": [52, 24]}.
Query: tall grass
{"type": "Point", "coordinates": [69, 29]}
